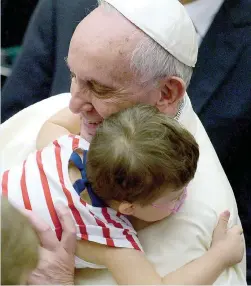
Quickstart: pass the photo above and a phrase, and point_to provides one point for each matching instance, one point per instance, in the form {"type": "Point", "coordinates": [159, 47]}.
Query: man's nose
{"type": "Point", "coordinates": [87, 107]}
{"type": "Point", "coordinates": [78, 105]}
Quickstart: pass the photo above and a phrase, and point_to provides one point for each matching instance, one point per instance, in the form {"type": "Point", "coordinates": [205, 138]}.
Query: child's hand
{"type": "Point", "coordinates": [229, 243]}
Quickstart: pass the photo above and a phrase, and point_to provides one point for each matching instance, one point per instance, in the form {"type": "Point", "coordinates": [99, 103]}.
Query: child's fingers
{"type": "Point", "coordinates": [224, 217]}
{"type": "Point", "coordinates": [236, 229]}
{"type": "Point", "coordinates": [222, 225]}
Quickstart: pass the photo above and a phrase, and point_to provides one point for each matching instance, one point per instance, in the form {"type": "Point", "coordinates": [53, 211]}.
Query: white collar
{"type": "Point", "coordinates": [202, 13]}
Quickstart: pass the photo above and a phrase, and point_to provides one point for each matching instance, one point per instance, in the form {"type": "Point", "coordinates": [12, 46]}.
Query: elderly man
{"type": "Point", "coordinates": [142, 52]}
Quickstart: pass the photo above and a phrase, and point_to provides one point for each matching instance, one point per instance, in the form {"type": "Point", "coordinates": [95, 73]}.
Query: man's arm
{"type": "Point", "coordinates": [62, 123]}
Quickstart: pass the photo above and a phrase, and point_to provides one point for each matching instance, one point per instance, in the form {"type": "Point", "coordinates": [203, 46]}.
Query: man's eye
{"type": "Point", "coordinates": [98, 89]}
{"type": "Point", "coordinates": [93, 87]}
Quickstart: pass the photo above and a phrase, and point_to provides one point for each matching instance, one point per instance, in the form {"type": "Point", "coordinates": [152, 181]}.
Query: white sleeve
{"type": "Point", "coordinates": [19, 133]}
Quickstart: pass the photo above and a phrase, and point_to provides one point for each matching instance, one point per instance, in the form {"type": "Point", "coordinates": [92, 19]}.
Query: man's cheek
{"type": "Point", "coordinates": [105, 110]}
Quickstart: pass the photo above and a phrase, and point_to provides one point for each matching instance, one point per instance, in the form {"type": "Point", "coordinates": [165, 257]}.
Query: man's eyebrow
{"type": "Point", "coordinates": [99, 87]}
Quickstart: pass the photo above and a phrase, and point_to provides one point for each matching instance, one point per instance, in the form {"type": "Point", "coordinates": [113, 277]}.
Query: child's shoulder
{"type": "Point", "coordinates": [70, 142]}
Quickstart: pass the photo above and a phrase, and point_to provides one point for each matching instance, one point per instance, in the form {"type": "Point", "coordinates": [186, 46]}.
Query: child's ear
{"type": "Point", "coordinates": [126, 208]}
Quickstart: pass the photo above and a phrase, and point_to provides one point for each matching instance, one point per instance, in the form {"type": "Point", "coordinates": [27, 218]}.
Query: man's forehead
{"type": "Point", "coordinates": [107, 27]}
{"type": "Point", "coordinates": [103, 42]}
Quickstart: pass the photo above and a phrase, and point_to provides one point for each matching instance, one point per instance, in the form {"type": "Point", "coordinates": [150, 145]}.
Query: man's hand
{"type": "Point", "coordinates": [56, 264]}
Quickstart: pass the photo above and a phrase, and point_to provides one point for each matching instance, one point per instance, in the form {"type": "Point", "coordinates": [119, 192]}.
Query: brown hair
{"type": "Point", "coordinates": [19, 245]}
{"type": "Point", "coordinates": [139, 152]}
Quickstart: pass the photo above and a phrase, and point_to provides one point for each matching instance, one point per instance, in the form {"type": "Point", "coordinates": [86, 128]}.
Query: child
{"type": "Point", "coordinates": [138, 166]}
{"type": "Point", "coordinates": [19, 246]}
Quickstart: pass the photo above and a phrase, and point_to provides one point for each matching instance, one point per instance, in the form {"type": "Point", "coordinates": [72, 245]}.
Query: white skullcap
{"type": "Point", "coordinates": [166, 22]}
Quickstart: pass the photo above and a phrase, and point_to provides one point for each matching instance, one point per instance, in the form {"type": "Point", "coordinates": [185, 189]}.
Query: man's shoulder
{"type": "Point", "coordinates": [210, 185]}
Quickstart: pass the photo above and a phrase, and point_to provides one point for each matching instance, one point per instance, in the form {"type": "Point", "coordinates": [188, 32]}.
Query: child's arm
{"type": "Point", "coordinates": [62, 123]}
{"type": "Point", "coordinates": [129, 266]}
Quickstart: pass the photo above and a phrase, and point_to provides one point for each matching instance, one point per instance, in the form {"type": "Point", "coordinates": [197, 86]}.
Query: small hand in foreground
{"type": "Point", "coordinates": [229, 243]}
{"type": "Point", "coordinates": [56, 264]}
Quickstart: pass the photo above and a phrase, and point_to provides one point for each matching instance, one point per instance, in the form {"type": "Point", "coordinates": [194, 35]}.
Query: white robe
{"type": "Point", "coordinates": [172, 242]}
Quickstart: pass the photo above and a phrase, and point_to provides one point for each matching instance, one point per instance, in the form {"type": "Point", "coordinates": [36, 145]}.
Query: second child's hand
{"type": "Point", "coordinates": [57, 258]}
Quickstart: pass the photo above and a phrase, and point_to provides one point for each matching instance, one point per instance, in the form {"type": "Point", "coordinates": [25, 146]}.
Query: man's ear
{"type": "Point", "coordinates": [126, 208]}
{"type": "Point", "coordinates": [172, 89]}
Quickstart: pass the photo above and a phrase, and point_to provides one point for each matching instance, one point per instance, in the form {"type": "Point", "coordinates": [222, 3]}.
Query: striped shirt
{"type": "Point", "coordinates": [43, 180]}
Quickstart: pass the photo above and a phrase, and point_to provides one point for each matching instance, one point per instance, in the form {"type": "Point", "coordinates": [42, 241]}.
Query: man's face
{"type": "Point", "coordinates": [99, 61]}
{"type": "Point", "coordinates": [102, 82]}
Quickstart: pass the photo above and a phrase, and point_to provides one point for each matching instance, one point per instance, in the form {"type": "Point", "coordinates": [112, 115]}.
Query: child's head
{"type": "Point", "coordinates": [19, 246]}
{"type": "Point", "coordinates": [140, 162]}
